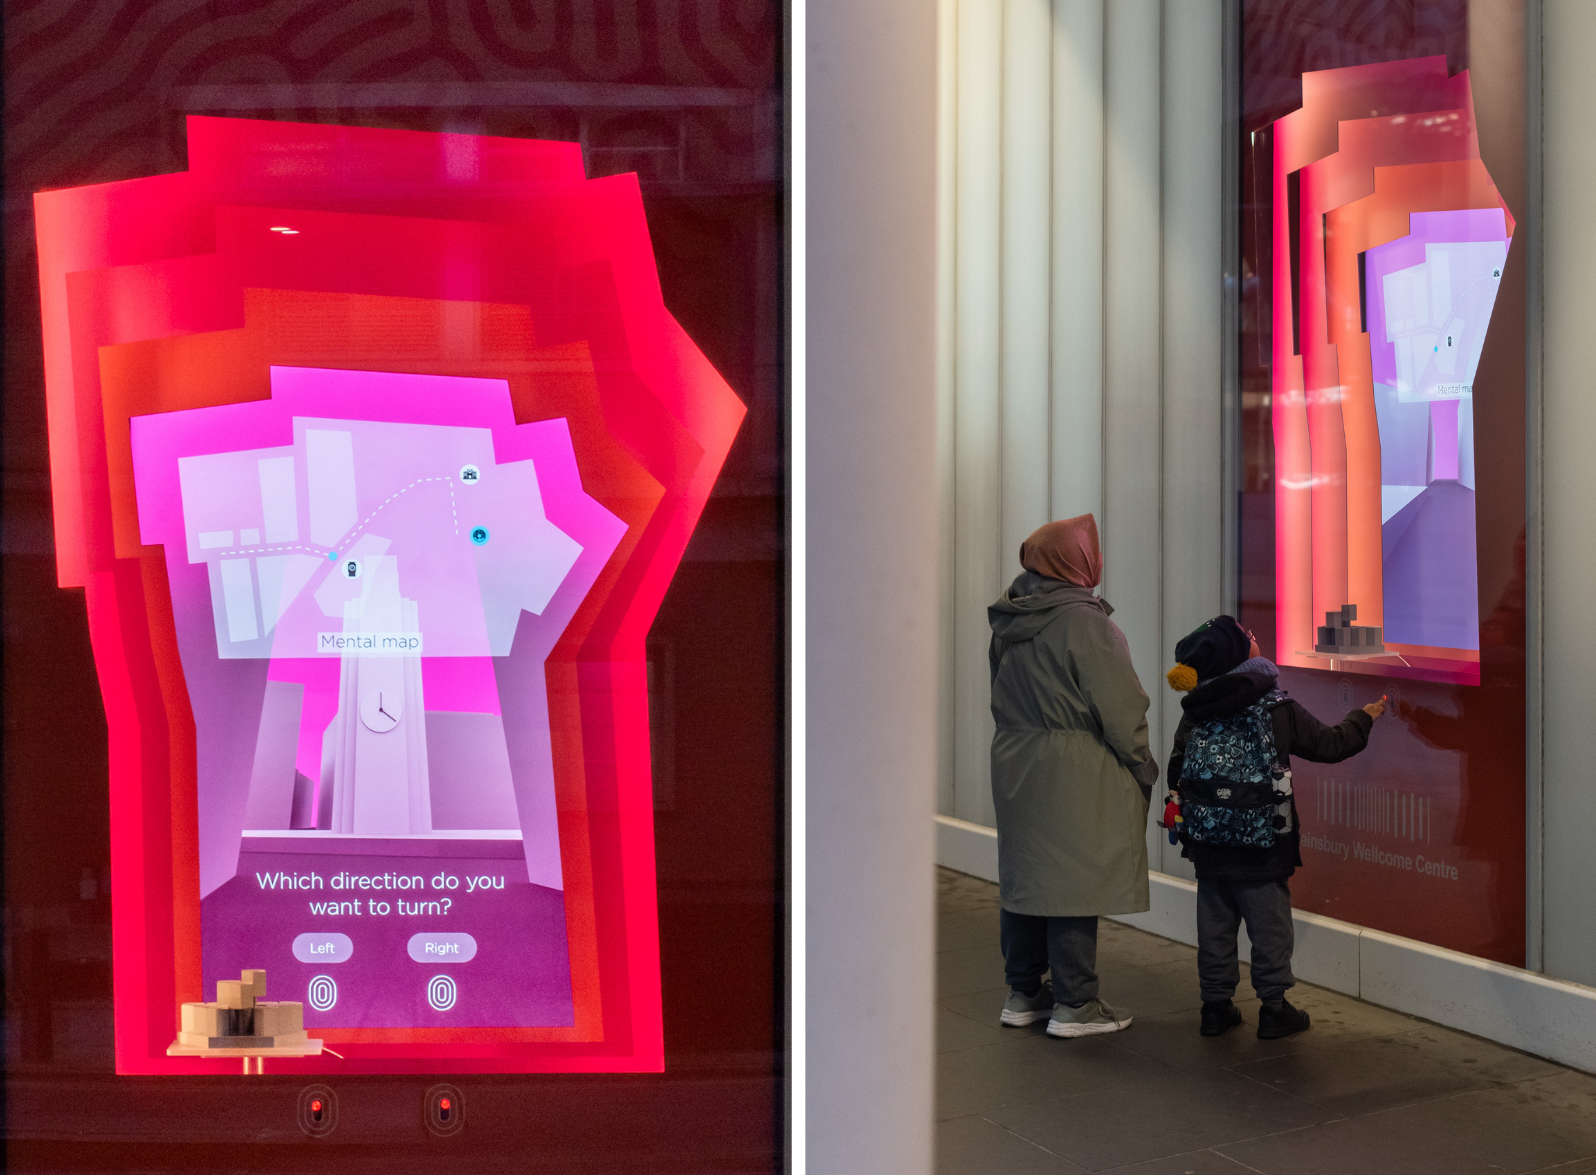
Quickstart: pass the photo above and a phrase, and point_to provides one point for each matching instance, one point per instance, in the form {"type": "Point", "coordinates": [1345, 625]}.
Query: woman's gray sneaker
{"type": "Point", "coordinates": [1019, 1009]}
{"type": "Point", "coordinates": [1090, 1018]}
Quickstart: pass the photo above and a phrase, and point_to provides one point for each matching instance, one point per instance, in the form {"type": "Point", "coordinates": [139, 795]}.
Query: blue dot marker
{"type": "Point", "coordinates": [479, 535]}
{"type": "Point", "coordinates": [332, 556]}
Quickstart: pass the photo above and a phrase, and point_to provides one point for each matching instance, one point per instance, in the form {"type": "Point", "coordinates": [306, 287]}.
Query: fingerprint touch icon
{"type": "Point", "coordinates": [323, 993]}
{"type": "Point", "coordinates": [441, 993]}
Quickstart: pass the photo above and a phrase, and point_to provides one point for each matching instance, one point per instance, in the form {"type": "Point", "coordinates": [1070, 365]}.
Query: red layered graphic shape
{"type": "Point", "coordinates": [410, 252]}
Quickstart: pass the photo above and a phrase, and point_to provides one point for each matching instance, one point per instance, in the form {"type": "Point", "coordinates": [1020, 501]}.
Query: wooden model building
{"type": "Point", "coordinates": [243, 1020]}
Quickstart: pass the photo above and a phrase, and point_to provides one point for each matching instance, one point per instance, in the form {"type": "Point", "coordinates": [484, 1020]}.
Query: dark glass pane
{"type": "Point", "coordinates": [1383, 467]}
{"type": "Point", "coordinates": [689, 98]}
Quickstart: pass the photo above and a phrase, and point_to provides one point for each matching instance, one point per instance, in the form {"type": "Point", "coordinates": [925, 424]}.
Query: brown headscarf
{"type": "Point", "coordinates": [1065, 550]}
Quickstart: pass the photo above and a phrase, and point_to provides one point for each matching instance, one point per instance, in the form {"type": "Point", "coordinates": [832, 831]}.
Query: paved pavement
{"type": "Point", "coordinates": [1364, 1090]}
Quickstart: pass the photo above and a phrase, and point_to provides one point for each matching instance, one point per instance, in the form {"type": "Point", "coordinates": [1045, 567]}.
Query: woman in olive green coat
{"type": "Point", "coordinates": [1072, 775]}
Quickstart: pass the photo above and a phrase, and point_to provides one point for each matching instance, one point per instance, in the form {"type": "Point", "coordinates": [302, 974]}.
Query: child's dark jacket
{"type": "Point", "coordinates": [1296, 732]}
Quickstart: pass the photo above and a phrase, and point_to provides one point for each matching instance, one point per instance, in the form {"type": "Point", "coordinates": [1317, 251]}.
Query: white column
{"type": "Point", "coordinates": [1194, 453]}
{"type": "Point", "coordinates": [980, 566]}
{"type": "Point", "coordinates": [1077, 259]}
{"type": "Point", "coordinates": [1568, 487]}
{"type": "Point", "coordinates": [1133, 424]}
{"type": "Point", "coordinates": [1027, 216]}
{"type": "Point", "coordinates": [872, 519]}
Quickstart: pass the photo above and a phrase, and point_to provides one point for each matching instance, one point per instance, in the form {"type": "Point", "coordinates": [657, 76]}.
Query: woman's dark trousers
{"type": "Point", "coordinates": [1069, 945]}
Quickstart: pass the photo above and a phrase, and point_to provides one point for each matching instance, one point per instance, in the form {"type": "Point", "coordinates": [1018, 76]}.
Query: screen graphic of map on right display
{"type": "Point", "coordinates": [373, 605]}
{"type": "Point", "coordinates": [1390, 243]}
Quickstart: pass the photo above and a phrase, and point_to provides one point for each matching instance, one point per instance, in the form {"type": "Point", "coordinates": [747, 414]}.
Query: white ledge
{"type": "Point", "coordinates": [1551, 1018]}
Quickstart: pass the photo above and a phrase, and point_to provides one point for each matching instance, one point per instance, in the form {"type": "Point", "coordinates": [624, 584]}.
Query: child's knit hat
{"type": "Point", "coordinates": [1214, 647]}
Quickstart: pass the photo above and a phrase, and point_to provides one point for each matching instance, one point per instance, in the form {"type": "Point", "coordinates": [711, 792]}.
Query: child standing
{"type": "Point", "coordinates": [1230, 775]}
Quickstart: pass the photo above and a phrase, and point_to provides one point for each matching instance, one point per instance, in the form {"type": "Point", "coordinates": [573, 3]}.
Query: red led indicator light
{"type": "Point", "coordinates": [442, 1110]}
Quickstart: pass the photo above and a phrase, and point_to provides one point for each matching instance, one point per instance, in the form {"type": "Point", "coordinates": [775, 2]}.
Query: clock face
{"type": "Point", "coordinates": [381, 709]}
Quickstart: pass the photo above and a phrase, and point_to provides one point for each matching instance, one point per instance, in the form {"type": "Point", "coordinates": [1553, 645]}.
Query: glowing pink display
{"type": "Point", "coordinates": [1390, 242]}
{"type": "Point", "coordinates": [375, 452]}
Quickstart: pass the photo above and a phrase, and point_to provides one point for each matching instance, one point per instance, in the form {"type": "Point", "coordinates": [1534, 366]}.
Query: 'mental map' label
{"type": "Point", "coordinates": [368, 644]}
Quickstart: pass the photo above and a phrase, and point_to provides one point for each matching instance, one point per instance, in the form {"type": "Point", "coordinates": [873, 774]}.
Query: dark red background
{"type": "Point", "coordinates": [687, 94]}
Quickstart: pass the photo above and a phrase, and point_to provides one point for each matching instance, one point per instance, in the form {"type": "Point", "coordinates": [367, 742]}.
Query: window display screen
{"type": "Point", "coordinates": [1390, 240]}
{"type": "Point", "coordinates": [1382, 505]}
{"type": "Point", "coordinates": [373, 491]}
{"type": "Point", "coordinates": [394, 580]}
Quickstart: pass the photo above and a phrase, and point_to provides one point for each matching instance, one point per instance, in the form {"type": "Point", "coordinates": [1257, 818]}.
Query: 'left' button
{"type": "Point", "coordinates": [325, 947]}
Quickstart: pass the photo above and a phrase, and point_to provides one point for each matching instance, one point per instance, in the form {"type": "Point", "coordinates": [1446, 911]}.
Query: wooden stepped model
{"type": "Point", "coordinates": [242, 1020]}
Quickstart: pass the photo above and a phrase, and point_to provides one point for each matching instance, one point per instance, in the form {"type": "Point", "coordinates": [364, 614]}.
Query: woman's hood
{"type": "Point", "coordinates": [1033, 602]}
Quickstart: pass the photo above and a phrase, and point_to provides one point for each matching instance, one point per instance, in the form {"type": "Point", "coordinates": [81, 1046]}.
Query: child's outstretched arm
{"type": "Point", "coordinates": [1312, 740]}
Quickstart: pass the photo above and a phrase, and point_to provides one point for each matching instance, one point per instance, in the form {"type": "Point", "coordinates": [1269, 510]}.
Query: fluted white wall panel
{"type": "Point", "coordinates": [1193, 327]}
{"type": "Point", "coordinates": [977, 368]}
{"type": "Point", "coordinates": [1076, 427]}
{"type": "Point", "coordinates": [1027, 219]}
{"type": "Point", "coordinates": [1568, 487]}
{"type": "Point", "coordinates": [1084, 326]}
{"type": "Point", "coordinates": [1132, 521]}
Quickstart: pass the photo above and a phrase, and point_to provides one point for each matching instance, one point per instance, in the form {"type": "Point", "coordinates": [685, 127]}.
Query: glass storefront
{"type": "Point", "coordinates": [394, 564]}
{"type": "Point", "coordinates": [1382, 490]}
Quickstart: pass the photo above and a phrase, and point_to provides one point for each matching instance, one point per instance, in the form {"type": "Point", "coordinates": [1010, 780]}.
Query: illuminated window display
{"type": "Point", "coordinates": [1382, 506]}
{"type": "Point", "coordinates": [375, 473]}
{"type": "Point", "coordinates": [1389, 245]}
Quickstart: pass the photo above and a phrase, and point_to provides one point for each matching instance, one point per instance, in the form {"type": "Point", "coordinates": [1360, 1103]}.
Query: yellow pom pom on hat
{"type": "Point", "coordinates": [1182, 678]}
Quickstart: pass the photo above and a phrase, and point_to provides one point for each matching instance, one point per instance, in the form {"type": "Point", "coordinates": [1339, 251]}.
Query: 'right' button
{"type": "Point", "coordinates": [442, 948]}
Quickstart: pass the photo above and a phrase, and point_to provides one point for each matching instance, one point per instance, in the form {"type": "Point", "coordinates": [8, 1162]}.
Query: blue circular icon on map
{"type": "Point", "coordinates": [479, 535]}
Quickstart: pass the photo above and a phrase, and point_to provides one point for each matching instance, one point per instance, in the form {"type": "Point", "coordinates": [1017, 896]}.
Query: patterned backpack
{"type": "Point", "coordinates": [1233, 789]}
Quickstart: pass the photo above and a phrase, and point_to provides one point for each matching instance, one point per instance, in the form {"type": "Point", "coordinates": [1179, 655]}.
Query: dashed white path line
{"type": "Point", "coordinates": [355, 533]}
{"type": "Point", "coordinates": [351, 536]}
{"type": "Point", "coordinates": [317, 551]}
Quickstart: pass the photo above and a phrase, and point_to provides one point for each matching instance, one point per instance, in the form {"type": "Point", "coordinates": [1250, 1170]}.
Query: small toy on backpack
{"type": "Point", "coordinates": [1172, 819]}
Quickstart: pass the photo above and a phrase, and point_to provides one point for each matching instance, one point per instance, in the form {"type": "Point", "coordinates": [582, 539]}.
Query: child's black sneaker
{"type": "Point", "coordinates": [1280, 1020]}
{"type": "Point", "coordinates": [1219, 1016]}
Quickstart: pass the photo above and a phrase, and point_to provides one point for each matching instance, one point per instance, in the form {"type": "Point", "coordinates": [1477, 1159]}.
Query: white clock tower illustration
{"type": "Point", "coordinates": [374, 755]}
